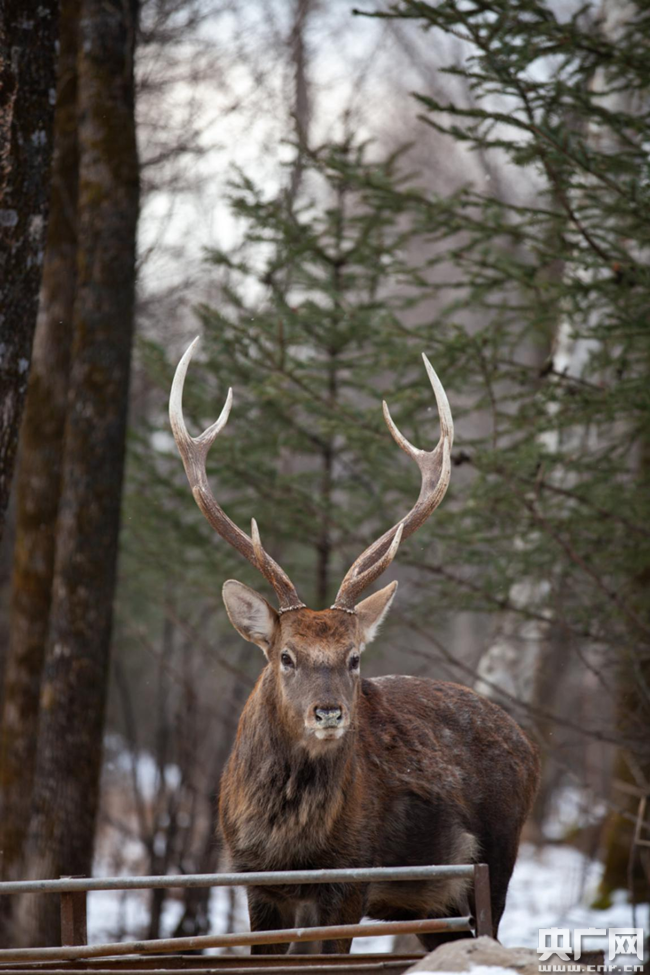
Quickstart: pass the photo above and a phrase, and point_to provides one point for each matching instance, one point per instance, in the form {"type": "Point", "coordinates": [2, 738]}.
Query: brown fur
{"type": "Point", "coordinates": [426, 772]}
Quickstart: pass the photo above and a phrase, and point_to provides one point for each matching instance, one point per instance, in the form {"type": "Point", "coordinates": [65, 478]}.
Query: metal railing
{"type": "Point", "coordinates": [73, 893]}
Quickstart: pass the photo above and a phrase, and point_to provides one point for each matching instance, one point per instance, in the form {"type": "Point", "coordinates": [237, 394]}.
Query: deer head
{"type": "Point", "coordinates": [314, 656]}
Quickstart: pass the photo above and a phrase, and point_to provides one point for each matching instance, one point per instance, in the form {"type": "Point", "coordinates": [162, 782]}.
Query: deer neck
{"type": "Point", "coordinates": [288, 801]}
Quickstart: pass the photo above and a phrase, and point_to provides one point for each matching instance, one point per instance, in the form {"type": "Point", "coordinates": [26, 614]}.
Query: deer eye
{"type": "Point", "coordinates": [287, 660]}
{"type": "Point", "coordinates": [353, 662]}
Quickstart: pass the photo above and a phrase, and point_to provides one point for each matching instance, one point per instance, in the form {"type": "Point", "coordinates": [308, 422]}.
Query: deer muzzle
{"type": "Point", "coordinates": [328, 717]}
{"type": "Point", "coordinates": [328, 721]}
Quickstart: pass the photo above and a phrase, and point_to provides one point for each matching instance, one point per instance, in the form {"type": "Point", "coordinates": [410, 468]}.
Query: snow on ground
{"type": "Point", "coordinates": [123, 916]}
{"type": "Point", "coordinates": [552, 886]}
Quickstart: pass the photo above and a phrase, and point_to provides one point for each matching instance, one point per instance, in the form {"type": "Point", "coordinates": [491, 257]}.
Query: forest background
{"type": "Point", "coordinates": [322, 194]}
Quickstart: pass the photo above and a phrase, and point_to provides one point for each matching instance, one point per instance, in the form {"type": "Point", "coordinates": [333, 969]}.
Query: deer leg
{"type": "Point", "coordinates": [307, 916]}
{"type": "Point", "coordinates": [267, 915]}
{"type": "Point", "coordinates": [460, 909]}
{"type": "Point", "coordinates": [500, 853]}
{"type": "Point", "coordinates": [345, 906]}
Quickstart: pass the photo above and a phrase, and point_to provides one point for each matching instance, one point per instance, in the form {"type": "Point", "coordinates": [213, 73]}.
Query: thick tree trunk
{"type": "Point", "coordinates": [75, 676]}
{"type": "Point", "coordinates": [39, 471]}
{"type": "Point", "coordinates": [28, 34]}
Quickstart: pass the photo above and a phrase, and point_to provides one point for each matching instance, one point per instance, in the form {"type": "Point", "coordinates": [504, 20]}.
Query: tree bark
{"type": "Point", "coordinates": [73, 692]}
{"type": "Point", "coordinates": [28, 34]}
{"type": "Point", "coordinates": [39, 470]}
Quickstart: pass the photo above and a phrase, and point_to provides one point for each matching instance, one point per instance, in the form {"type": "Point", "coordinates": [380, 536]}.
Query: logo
{"type": "Point", "coordinates": [558, 944]}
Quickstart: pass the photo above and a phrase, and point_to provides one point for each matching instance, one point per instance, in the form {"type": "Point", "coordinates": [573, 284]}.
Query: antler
{"type": "Point", "coordinates": [435, 467]}
{"type": "Point", "coordinates": [194, 452]}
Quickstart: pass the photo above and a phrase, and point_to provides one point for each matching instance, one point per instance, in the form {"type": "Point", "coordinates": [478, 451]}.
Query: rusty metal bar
{"type": "Point", "coordinates": [482, 901]}
{"type": "Point", "coordinates": [207, 964]}
{"type": "Point", "coordinates": [269, 877]}
{"type": "Point", "coordinates": [350, 965]}
{"type": "Point", "coordinates": [330, 933]}
{"type": "Point", "coordinates": [73, 917]}
{"type": "Point", "coordinates": [215, 962]}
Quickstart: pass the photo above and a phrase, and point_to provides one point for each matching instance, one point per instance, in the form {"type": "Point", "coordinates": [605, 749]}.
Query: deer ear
{"type": "Point", "coordinates": [373, 611]}
{"type": "Point", "coordinates": [250, 614]}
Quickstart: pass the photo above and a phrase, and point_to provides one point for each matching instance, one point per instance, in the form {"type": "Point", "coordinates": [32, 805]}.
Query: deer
{"type": "Point", "coordinates": [332, 770]}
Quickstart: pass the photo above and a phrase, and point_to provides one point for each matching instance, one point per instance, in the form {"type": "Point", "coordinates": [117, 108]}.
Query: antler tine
{"type": "Point", "coordinates": [444, 409]}
{"type": "Point", "coordinates": [192, 448]}
{"type": "Point", "coordinates": [435, 468]}
{"type": "Point", "coordinates": [359, 579]}
{"type": "Point", "coordinates": [194, 452]}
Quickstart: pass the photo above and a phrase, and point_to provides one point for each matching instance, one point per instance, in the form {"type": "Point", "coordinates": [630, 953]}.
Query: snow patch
{"type": "Point", "coordinates": [163, 442]}
{"type": "Point", "coordinates": [146, 769]}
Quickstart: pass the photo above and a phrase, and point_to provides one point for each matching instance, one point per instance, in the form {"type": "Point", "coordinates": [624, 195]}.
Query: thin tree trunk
{"type": "Point", "coordinates": [302, 98]}
{"type": "Point", "coordinates": [195, 918]}
{"type": "Point", "coordinates": [627, 865]}
{"type": "Point", "coordinates": [164, 805]}
{"type": "Point", "coordinates": [75, 676]}
{"type": "Point", "coordinates": [39, 471]}
{"type": "Point", "coordinates": [28, 34]}
{"type": "Point", "coordinates": [324, 544]}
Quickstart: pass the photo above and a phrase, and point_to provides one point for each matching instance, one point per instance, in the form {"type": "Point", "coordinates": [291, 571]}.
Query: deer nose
{"type": "Point", "coordinates": [328, 717]}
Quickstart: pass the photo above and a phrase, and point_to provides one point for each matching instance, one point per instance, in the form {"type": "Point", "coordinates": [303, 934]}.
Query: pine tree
{"type": "Point", "coordinates": [531, 303]}
{"type": "Point", "coordinates": [308, 333]}
{"type": "Point", "coordinates": [546, 315]}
